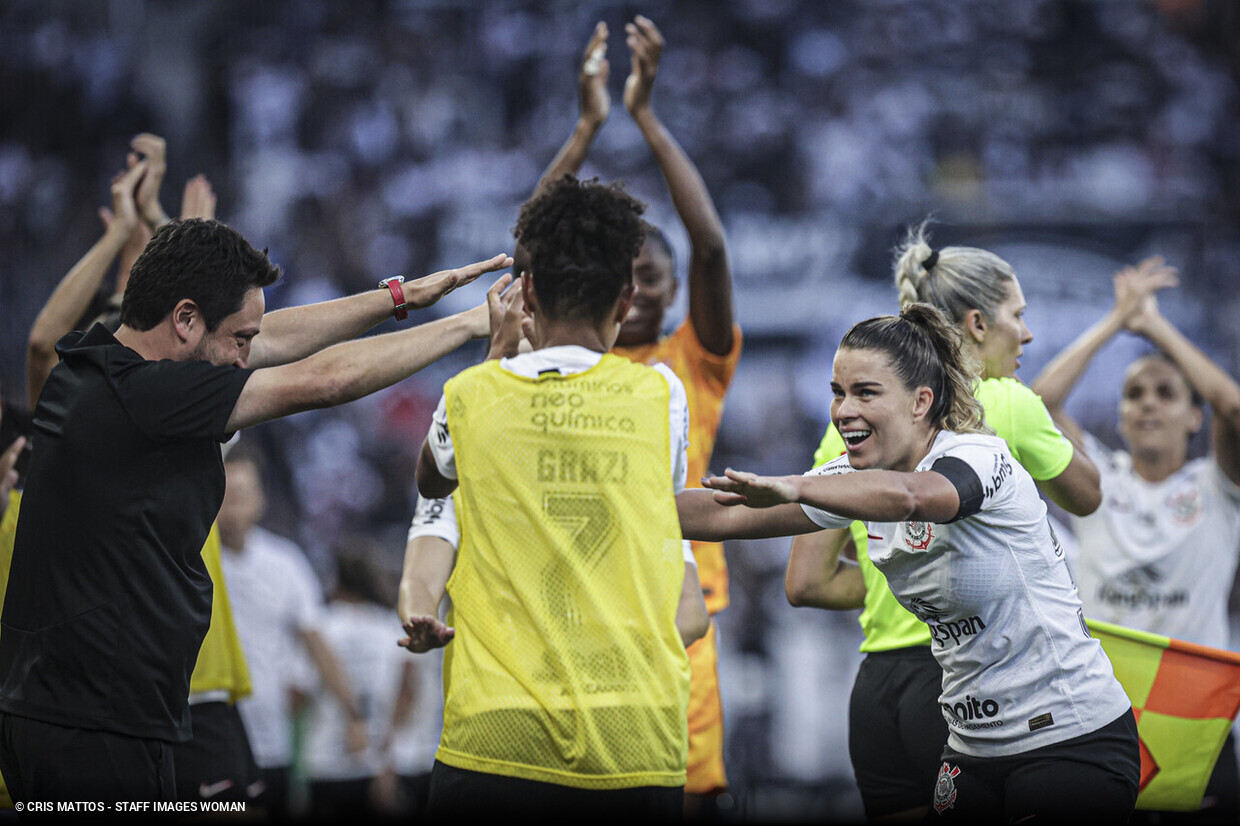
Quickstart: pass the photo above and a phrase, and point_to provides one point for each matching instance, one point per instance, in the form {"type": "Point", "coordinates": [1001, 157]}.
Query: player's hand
{"type": "Point", "coordinates": [124, 212]}
{"type": "Point", "coordinates": [424, 633]}
{"type": "Point", "coordinates": [645, 47]}
{"type": "Point", "coordinates": [151, 149]}
{"type": "Point", "coordinates": [198, 199]}
{"type": "Point", "coordinates": [737, 487]}
{"type": "Point", "coordinates": [507, 322]}
{"type": "Point", "coordinates": [593, 98]}
{"type": "Point", "coordinates": [425, 291]}
{"type": "Point", "coordinates": [1135, 288]}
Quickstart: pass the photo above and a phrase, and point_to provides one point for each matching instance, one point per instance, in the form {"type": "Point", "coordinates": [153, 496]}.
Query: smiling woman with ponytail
{"type": "Point", "coordinates": [956, 526]}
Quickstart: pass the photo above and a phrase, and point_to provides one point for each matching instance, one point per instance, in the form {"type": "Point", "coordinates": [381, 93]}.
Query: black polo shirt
{"type": "Point", "coordinates": [108, 598]}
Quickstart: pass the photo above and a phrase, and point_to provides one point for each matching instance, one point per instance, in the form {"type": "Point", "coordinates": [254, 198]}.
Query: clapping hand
{"type": "Point", "coordinates": [645, 47]}
{"type": "Point", "coordinates": [593, 98]}
{"type": "Point", "coordinates": [1135, 288]}
{"type": "Point", "coordinates": [150, 149]}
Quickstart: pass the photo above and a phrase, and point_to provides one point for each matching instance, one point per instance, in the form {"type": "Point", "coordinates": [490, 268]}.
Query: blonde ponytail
{"type": "Point", "coordinates": [954, 279]}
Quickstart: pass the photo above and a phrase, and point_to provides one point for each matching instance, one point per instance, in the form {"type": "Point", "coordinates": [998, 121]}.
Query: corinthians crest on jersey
{"type": "Point", "coordinates": [945, 788]}
{"type": "Point", "coordinates": [917, 535]}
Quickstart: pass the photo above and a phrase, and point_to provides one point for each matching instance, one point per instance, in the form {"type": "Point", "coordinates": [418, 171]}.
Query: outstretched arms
{"type": "Point", "coordinates": [774, 502]}
{"type": "Point", "coordinates": [353, 369]}
{"type": "Point", "coordinates": [710, 277]}
{"type": "Point", "coordinates": [297, 332]}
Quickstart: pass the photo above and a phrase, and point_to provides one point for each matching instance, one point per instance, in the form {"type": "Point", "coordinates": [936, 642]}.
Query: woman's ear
{"type": "Point", "coordinates": [528, 293]}
{"type": "Point", "coordinates": [923, 400]}
{"type": "Point", "coordinates": [1196, 420]}
{"type": "Point", "coordinates": [624, 303]}
{"type": "Point", "coordinates": [975, 325]}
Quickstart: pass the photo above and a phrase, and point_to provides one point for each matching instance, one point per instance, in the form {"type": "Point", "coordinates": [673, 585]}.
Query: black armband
{"type": "Point", "coordinates": [968, 485]}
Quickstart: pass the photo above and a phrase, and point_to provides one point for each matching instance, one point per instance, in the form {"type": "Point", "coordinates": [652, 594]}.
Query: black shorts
{"type": "Point", "coordinates": [46, 762]}
{"type": "Point", "coordinates": [216, 763]}
{"type": "Point", "coordinates": [461, 796]}
{"type": "Point", "coordinates": [1088, 779]}
{"type": "Point", "coordinates": [896, 730]}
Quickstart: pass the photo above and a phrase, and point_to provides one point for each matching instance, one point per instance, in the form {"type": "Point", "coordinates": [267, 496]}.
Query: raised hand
{"type": "Point", "coordinates": [1135, 288]}
{"type": "Point", "coordinates": [198, 200]}
{"type": "Point", "coordinates": [593, 98]}
{"type": "Point", "coordinates": [150, 148]}
{"type": "Point", "coordinates": [506, 310]}
{"type": "Point", "coordinates": [645, 46]}
{"type": "Point", "coordinates": [424, 633]}
{"type": "Point", "coordinates": [124, 212]}
{"type": "Point", "coordinates": [425, 291]}
{"type": "Point", "coordinates": [738, 487]}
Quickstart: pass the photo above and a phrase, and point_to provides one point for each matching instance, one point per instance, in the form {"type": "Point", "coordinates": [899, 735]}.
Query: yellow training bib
{"type": "Point", "coordinates": [567, 666]}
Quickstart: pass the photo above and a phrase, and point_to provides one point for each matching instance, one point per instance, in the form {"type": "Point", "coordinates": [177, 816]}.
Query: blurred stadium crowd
{"type": "Point", "coordinates": [363, 139]}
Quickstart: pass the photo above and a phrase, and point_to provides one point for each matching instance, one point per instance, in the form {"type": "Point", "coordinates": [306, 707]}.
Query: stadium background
{"type": "Point", "coordinates": [362, 139]}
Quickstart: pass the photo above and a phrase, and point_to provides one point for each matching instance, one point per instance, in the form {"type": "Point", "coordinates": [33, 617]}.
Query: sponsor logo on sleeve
{"type": "Point", "coordinates": [1002, 472]}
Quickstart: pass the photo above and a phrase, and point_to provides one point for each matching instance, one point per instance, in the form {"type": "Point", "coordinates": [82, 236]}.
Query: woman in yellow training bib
{"type": "Point", "coordinates": [566, 680]}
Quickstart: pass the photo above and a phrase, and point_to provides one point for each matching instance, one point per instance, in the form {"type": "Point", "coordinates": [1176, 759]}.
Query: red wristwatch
{"type": "Point", "coordinates": [398, 296]}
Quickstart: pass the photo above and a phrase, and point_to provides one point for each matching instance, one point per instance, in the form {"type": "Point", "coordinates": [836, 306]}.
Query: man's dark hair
{"type": "Point", "coordinates": [199, 259]}
{"type": "Point", "coordinates": [582, 237]}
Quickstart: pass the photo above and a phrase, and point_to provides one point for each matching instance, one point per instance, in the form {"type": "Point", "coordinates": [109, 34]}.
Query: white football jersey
{"type": "Point", "coordinates": [1160, 556]}
{"type": "Point", "coordinates": [1020, 669]}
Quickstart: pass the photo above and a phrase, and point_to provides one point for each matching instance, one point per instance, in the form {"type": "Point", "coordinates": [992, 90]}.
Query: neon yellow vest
{"type": "Point", "coordinates": [566, 667]}
{"type": "Point", "coordinates": [221, 662]}
{"type": "Point", "coordinates": [1018, 416]}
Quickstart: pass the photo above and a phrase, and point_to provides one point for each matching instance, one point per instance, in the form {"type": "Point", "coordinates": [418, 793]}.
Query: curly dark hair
{"type": "Point", "coordinates": [199, 259]}
{"type": "Point", "coordinates": [581, 238]}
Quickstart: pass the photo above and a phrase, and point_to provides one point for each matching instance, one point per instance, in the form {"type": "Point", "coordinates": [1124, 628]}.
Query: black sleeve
{"type": "Point", "coordinates": [181, 399]}
{"type": "Point", "coordinates": [968, 486]}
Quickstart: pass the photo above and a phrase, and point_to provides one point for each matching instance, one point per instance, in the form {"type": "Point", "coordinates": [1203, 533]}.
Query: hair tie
{"type": "Point", "coordinates": [930, 261]}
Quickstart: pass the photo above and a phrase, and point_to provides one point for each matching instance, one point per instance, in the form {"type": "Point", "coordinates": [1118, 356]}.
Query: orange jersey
{"type": "Point", "coordinates": [706, 377]}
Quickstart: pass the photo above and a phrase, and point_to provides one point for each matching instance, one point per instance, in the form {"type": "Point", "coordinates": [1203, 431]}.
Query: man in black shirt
{"type": "Point", "coordinates": [108, 597]}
